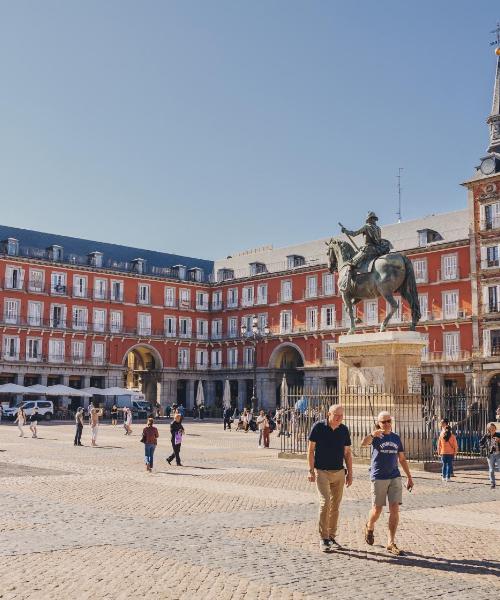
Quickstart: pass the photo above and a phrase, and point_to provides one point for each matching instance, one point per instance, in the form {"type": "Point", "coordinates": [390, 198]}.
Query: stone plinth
{"type": "Point", "coordinates": [389, 360]}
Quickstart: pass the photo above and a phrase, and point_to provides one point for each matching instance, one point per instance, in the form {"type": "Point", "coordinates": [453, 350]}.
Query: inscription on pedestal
{"type": "Point", "coordinates": [364, 377]}
{"type": "Point", "coordinates": [414, 380]}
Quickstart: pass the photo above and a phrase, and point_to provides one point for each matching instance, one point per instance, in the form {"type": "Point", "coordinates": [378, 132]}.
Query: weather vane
{"type": "Point", "coordinates": [497, 41]}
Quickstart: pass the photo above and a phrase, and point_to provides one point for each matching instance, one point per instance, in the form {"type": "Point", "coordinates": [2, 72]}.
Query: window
{"type": "Point", "coordinates": [420, 270]}
{"type": "Point", "coordinates": [232, 297]}
{"type": "Point", "coordinates": [232, 358]}
{"type": "Point", "coordinates": [99, 319]}
{"type": "Point", "coordinates": [56, 350]}
{"type": "Point", "coordinates": [184, 298]}
{"type": "Point", "coordinates": [14, 278]}
{"type": "Point", "coordinates": [201, 358]}
{"type": "Point", "coordinates": [79, 318]}
{"type": "Point", "coordinates": [77, 352]}
{"type": "Point", "coordinates": [100, 286]}
{"type": "Point", "coordinates": [397, 316]}
{"type": "Point", "coordinates": [144, 294]}
{"type": "Point", "coordinates": [312, 318]}
{"type": "Point", "coordinates": [423, 302]}
{"type": "Point", "coordinates": [262, 321]}
{"type": "Point", "coordinates": [184, 327]}
{"type": "Point", "coordinates": [451, 344]}
{"type": "Point", "coordinates": [58, 316]}
{"type": "Point", "coordinates": [329, 353]}
{"type": "Point", "coordinates": [328, 284]}
{"type": "Point", "coordinates": [183, 358]}
{"type": "Point", "coordinates": [286, 290]}
{"type": "Point", "coordinates": [247, 299]}
{"type": "Point", "coordinates": [170, 326]}
{"type": "Point", "coordinates": [450, 305]}
{"type": "Point", "coordinates": [248, 354]}
{"type": "Point", "coordinates": [202, 329]}
{"type": "Point", "coordinates": [217, 329]}
{"type": "Point", "coordinates": [169, 296]}
{"type": "Point", "coordinates": [217, 300]}
{"type": "Point", "coordinates": [36, 282]}
{"type": "Point", "coordinates": [371, 312]}
{"type": "Point", "coordinates": [492, 256]}
{"type": "Point", "coordinates": [58, 283]}
{"type": "Point", "coordinates": [450, 270]}
{"type": "Point", "coordinates": [11, 347]}
{"type": "Point", "coordinates": [12, 247]}
{"type": "Point", "coordinates": [35, 312]}
{"type": "Point", "coordinates": [79, 286]}
{"type": "Point", "coordinates": [328, 317]}
{"type": "Point", "coordinates": [117, 291]}
{"type": "Point", "coordinates": [286, 321]}
{"type": "Point", "coordinates": [144, 324]}
{"type": "Point", "coordinates": [262, 293]}
{"type": "Point", "coordinates": [216, 359]}
{"type": "Point", "coordinates": [491, 218]}
{"type": "Point", "coordinates": [311, 286]}
{"type": "Point", "coordinates": [247, 321]}
{"type": "Point", "coordinates": [232, 326]}
{"type": "Point", "coordinates": [201, 300]}
{"type": "Point", "coordinates": [293, 260]}
{"type": "Point", "coordinates": [33, 349]}
{"type": "Point", "coordinates": [98, 353]}
{"type": "Point", "coordinates": [11, 311]}
{"type": "Point", "coordinates": [115, 321]}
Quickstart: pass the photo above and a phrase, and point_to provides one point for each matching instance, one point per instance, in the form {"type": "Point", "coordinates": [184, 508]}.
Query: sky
{"type": "Point", "coordinates": [207, 127]}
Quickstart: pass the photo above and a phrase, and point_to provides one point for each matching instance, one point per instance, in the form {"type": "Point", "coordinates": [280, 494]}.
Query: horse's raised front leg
{"type": "Point", "coordinates": [394, 306]}
{"type": "Point", "coordinates": [349, 304]}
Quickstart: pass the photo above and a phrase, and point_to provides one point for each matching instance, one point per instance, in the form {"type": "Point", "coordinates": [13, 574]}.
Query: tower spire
{"type": "Point", "coordinates": [494, 119]}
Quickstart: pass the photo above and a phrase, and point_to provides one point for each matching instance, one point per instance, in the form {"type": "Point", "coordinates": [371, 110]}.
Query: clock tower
{"type": "Point", "coordinates": [490, 163]}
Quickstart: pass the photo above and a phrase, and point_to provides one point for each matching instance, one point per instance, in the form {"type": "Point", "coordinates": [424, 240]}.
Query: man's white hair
{"type": "Point", "coordinates": [334, 407]}
{"type": "Point", "coordinates": [382, 415]}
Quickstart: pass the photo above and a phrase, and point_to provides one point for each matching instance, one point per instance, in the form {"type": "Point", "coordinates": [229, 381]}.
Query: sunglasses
{"type": "Point", "coordinates": [386, 421]}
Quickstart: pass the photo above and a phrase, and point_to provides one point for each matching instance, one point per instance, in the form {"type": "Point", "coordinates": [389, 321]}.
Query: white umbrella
{"type": "Point", "coordinates": [93, 391]}
{"type": "Point", "coordinates": [284, 393]}
{"type": "Point", "coordinates": [116, 391]}
{"type": "Point", "coordinates": [64, 390]}
{"type": "Point", "coordinates": [37, 389]}
{"type": "Point", "coordinates": [226, 398]}
{"type": "Point", "coordinates": [200, 395]}
{"type": "Point", "coordinates": [13, 388]}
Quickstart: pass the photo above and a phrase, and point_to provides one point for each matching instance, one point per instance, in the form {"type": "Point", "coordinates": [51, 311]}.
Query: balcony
{"type": "Point", "coordinates": [217, 305]}
{"type": "Point", "coordinates": [447, 356]}
{"type": "Point", "coordinates": [448, 275]}
{"type": "Point", "coordinates": [284, 298]}
{"type": "Point", "coordinates": [59, 290]}
{"type": "Point", "coordinates": [490, 263]}
{"type": "Point", "coordinates": [201, 366]}
{"type": "Point", "coordinates": [201, 336]}
{"type": "Point", "coordinates": [489, 224]}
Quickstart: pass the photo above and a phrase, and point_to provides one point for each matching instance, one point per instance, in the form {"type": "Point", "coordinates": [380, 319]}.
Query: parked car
{"type": "Point", "coordinates": [45, 409]}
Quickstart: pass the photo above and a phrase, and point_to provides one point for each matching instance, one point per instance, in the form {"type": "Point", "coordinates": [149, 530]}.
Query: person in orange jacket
{"type": "Point", "coordinates": [447, 448]}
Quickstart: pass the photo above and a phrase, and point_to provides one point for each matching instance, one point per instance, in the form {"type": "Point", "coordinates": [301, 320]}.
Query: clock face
{"type": "Point", "coordinates": [488, 166]}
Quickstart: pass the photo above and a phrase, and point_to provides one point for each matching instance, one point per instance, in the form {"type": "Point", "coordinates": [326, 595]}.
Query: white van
{"type": "Point", "coordinates": [135, 401]}
{"type": "Point", "coordinates": [45, 409]}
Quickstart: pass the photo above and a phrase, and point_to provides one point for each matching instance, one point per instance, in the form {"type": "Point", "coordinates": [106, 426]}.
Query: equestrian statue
{"type": "Point", "coordinates": [372, 271]}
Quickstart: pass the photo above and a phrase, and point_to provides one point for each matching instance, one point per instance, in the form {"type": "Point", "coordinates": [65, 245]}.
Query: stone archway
{"type": "Point", "coordinates": [288, 359]}
{"type": "Point", "coordinates": [143, 365]}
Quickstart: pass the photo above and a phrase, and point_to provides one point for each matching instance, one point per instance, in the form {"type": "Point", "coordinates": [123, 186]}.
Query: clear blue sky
{"type": "Point", "coordinates": [207, 127]}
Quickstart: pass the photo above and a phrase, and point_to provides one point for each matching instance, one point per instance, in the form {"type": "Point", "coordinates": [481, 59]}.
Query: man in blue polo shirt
{"type": "Point", "coordinates": [387, 450]}
{"type": "Point", "coordinates": [329, 446]}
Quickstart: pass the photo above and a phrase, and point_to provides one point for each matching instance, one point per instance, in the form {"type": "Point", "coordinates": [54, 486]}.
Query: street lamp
{"type": "Point", "coordinates": [254, 337]}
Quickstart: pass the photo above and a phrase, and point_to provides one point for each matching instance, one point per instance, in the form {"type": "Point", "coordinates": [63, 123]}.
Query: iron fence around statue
{"type": "Point", "coordinates": [416, 417]}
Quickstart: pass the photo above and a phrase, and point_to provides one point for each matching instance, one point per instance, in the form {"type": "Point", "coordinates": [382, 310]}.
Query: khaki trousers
{"type": "Point", "coordinates": [330, 486]}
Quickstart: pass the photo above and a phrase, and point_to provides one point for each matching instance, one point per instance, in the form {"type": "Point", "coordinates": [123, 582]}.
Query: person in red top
{"type": "Point", "coordinates": [150, 436]}
{"type": "Point", "coordinates": [447, 449]}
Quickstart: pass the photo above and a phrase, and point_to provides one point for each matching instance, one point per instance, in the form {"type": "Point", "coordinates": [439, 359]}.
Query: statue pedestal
{"type": "Point", "coordinates": [382, 371]}
{"type": "Point", "coordinates": [389, 360]}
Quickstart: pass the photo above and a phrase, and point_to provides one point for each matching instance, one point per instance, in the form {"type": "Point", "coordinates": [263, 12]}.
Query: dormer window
{"type": "Point", "coordinates": [179, 271]}
{"type": "Point", "coordinates": [195, 274]}
{"type": "Point", "coordinates": [427, 236]}
{"type": "Point", "coordinates": [11, 246]}
{"type": "Point", "coordinates": [294, 260]}
{"type": "Point", "coordinates": [95, 259]}
{"type": "Point", "coordinates": [138, 265]}
{"type": "Point", "coordinates": [225, 274]}
{"type": "Point", "coordinates": [256, 268]}
{"type": "Point", "coordinates": [55, 252]}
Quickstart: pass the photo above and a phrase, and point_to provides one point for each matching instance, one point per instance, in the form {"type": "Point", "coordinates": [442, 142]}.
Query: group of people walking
{"type": "Point", "coordinates": [22, 419]}
{"type": "Point", "coordinates": [245, 421]}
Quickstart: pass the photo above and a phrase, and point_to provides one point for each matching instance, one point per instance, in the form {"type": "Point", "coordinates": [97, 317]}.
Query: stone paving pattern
{"type": "Point", "coordinates": [235, 522]}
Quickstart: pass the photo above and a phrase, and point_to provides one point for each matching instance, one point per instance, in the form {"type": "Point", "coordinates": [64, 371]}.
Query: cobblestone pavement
{"type": "Point", "coordinates": [234, 522]}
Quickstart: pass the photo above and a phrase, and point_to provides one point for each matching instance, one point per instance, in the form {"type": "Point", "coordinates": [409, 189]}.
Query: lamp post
{"type": "Point", "coordinates": [254, 337]}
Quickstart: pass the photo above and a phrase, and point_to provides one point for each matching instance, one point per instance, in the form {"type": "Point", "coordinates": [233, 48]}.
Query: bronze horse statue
{"type": "Point", "coordinates": [389, 274]}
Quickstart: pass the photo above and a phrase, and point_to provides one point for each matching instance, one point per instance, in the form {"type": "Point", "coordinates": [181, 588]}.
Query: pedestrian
{"type": "Point", "coordinates": [443, 424]}
{"type": "Point", "coordinates": [447, 449]}
{"type": "Point", "coordinates": [1, 412]}
{"type": "Point", "coordinates": [261, 424]}
{"type": "Point", "coordinates": [95, 413]}
{"type": "Point", "coordinates": [226, 415]}
{"type": "Point", "coordinates": [20, 420]}
{"type": "Point", "coordinates": [181, 410]}
{"type": "Point", "coordinates": [328, 449]}
{"type": "Point", "coordinates": [497, 415]}
{"type": "Point", "coordinates": [176, 432]}
{"type": "Point", "coordinates": [33, 419]}
{"type": "Point", "coordinates": [491, 443]}
{"type": "Point", "coordinates": [114, 415]}
{"type": "Point", "coordinates": [79, 426]}
{"type": "Point", "coordinates": [128, 421]}
{"type": "Point", "coordinates": [386, 484]}
{"type": "Point", "coordinates": [150, 437]}
{"type": "Point", "coordinates": [245, 420]}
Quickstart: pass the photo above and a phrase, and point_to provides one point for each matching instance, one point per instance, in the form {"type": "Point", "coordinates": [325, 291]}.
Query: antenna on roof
{"type": "Point", "coordinates": [398, 176]}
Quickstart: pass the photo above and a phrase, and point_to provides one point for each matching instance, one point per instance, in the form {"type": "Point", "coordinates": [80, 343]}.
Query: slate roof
{"type": "Point", "coordinates": [111, 252]}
